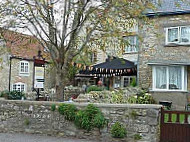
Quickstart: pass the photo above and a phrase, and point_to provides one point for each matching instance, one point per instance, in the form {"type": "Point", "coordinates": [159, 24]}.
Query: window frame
{"type": "Point", "coordinates": [24, 73]}
{"type": "Point", "coordinates": [179, 35]}
{"type": "Point", "coordinates": [183, 78]}
{"type": "Point", "coordinates": [130, 79]}
{"type": "Point", "coordinates": [17, 84]}
{"type": "Point", "coordinates": [127, 46]}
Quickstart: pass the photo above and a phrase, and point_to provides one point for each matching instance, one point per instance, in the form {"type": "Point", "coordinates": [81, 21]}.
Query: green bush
{"type": "Point", "coordinates": [143, 98]}
{"type": "Point", "coordinates": [26, 122]}
{"type": "Point", "coordinates": [99, 121]}
{"type": "Point", "coordinates": [133, 83]}
{"type": "Point", "coordinates": [68, 110]}
{"type": "Point", "coordinates": [83, 121]}
{"type": "Point", "coordinates": [118, 130]}
{"type": "Point", "coordinates": [89, 118]}
{"type": "Point", "coordinates": [137, 137]}
{"type": "Point", "coordinates": [53, 107]}
{"type": "Point", "coordinates": [16, 95]}
{"type": "Point", "coordinates": [4, 94]}
{"type": "Point", "coordinates": [94, 88]}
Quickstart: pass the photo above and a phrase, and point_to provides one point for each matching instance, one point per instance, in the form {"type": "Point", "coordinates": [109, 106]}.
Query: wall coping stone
{"type": "Point", "coordinates": [102, 105]}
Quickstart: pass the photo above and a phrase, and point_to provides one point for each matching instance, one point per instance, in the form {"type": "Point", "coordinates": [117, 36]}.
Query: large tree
{"type": "Point", "coordinates": [65, 27]}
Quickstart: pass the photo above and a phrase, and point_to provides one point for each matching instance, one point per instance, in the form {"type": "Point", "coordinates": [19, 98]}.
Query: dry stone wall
{"type": "Point", "coordinates": [37, 117]}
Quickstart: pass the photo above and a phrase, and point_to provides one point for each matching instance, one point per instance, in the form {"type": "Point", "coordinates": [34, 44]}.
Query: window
{"type": "Point", "coordinates": [178, 35]}
{"type": "Point", "coordinates": [117, 82]}
{"type": "Point", "coordinates": [21, 87]}
{"type": "Point", "coordinates": [24, 68]}
{"type": "Point", "coordinates": [127, 80]}
{"type": "Point", "coordinates": [130, 44]}
{"type": "Point", "coordinates": [169, 78]}
{"type": "Point", "coordinates": [93, 56]}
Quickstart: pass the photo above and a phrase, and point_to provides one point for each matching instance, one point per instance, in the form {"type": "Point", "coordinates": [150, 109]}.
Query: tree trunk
{"type": "Point", "coordinates": [60, 84]}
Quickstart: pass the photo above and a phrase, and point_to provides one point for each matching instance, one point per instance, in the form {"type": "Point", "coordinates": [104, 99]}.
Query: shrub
{"type": "Point", "coordinates": [133, 114]}
{"type": "Point", "coordinates": [4, 94]}
{"type": "Point", "coordinates": [118, 130]}
{"type": "Point", "coordinates": [89, 118]}
{"type": "Point", "coordinates": [99, 121]}
{"type": "Point", "coordinates": [26, 122]}
{"type": "Point", "coordinates": [83, 121]}
{"type": "Point", "coordinates": [53, 107]}
{"type": "Point", "coordinates": [94, 88]}
{"type": "Point", "coordinates": [137, 137]}
{"type": "Point", "coordinates": [68, 110]}
{"type": "Point", "coordinates": [133, 83]}
{"type": "Point", "coordinates": [143, 98]}
{"type": "Point", "coordinates": [15, 95]}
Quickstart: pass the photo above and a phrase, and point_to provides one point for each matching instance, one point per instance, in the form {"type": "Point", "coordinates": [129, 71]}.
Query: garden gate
{"type": "Point", "coordinates": [175, 126]}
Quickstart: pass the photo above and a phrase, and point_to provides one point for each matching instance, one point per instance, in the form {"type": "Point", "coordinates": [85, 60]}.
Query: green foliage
{"type": "Point", "coordinates": [53, 107]}
{"type": "Point", "coordinates": [68, 110]}
{"type": "Point", "coordinates": [132, 100]}
{"type": "Point", "coordinates": [118, 97]}
{"type": "Point", "coordinates": [133, 83]}
{"type": "Point", "coordinates": [133, 114]}
{"type": "Point", "coordinates": [99, 121]}
{"type": "Point", "coordinates": [143, 98]}
{"type": "Point", "coordinates": [4, 94]}
{"type": "Point", "coordinates": [90, 118]}
{"type": "Point", "coordinates": [72, 70]}
{"type": "Point", "coordinates": [137, 137]}
{"type": "Point", "coordinates": [94, 88]}
{"type": "Point", "coordinates": [16, 95]}
{"type": "Point", "coordinates": [118, 130]}
{"type": "Point", "coordinates": [87, 119]}
{"type": "Point", "coordinates": [26, 122]}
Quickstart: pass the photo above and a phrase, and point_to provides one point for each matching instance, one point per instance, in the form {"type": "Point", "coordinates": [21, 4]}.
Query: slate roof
{"type": "Point", "coordinates": [169, 7]}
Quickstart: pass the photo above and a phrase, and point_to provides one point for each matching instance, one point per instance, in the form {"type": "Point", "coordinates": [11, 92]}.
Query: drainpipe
{"type": "Point", "coordinates": [10, 59]}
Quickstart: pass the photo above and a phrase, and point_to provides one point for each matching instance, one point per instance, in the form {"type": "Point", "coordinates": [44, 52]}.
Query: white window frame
{"type": "Point", "coordinates": [19, 88]}
{"type": "Point", "coordinates": [130, 78]}
{"type": "Point", "coordinates": [179, 35]}
{"type": "Point", "coordinates": [183, 76]}
{"type": "Point", "coordinates": [24, 73]}
{"type": "Point", "coordinates": [127, 46]}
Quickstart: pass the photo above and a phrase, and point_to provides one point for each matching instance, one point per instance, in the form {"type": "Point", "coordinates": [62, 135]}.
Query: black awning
{"type": "Point", "coordinates": [112, 67]}
{"type": "Point", "coordinates": [116, 63]}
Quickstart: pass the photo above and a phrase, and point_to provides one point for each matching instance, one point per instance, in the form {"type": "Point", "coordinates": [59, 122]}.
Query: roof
{"type": "Point", "coordinates": [114, 67]}
{"type": "Point", "coordinates": [23, 46]}
{"type": "Point", "coordinates": [169, 7]}
{"type": "Point", "coordinates": [116, 63]}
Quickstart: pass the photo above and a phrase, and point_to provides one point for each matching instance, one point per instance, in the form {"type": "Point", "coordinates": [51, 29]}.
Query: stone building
{"type": "Point", "coordinates": [17, 62]}
{"type": "Point", "coordinates": [164, 53]}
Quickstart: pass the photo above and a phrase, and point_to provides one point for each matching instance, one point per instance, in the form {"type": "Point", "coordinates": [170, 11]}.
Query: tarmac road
{"type": "Point", "coordinates": [18, 137]}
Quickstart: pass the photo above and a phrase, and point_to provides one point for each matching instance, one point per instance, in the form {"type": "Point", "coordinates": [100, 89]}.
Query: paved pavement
{"type": "Point", "coordinates": [17, 137]}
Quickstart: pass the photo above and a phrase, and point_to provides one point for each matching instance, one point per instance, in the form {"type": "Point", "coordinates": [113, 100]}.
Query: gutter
{"type": "Point", "coordinates": [167, 13]}
{"type": "Point", "coordinates": [10, 73]}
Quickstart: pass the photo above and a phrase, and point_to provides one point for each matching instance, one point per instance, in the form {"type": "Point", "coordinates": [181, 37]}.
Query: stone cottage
{"type": "Point", "coordinates": [17, 62]}
{"type": "Point", "coordinates": [160, 46]}
{"type": "Point", "coordinates": [164, 53]}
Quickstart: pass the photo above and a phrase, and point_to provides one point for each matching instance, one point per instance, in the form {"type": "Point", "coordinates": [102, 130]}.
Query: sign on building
{"type": "Point", "coordinates": [39, 77]}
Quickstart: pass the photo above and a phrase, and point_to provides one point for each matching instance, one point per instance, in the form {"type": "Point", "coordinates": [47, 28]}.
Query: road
{"type": "Point", "coordinates": [18, 137]}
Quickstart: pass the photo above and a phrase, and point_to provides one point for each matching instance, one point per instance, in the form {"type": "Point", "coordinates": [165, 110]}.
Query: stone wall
{"type": "Point", "coordinates": [154, 49]}
{"type": "Point", "coordinates": [4, 72]}
{"type": "Point", "coordinates": [37, 117]}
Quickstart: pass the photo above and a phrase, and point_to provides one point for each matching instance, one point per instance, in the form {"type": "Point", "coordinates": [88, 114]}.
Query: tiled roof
{"type": "Point", "coordinates": [170, 7]}
{"type": "Point", "coordinates": [23, 46]}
